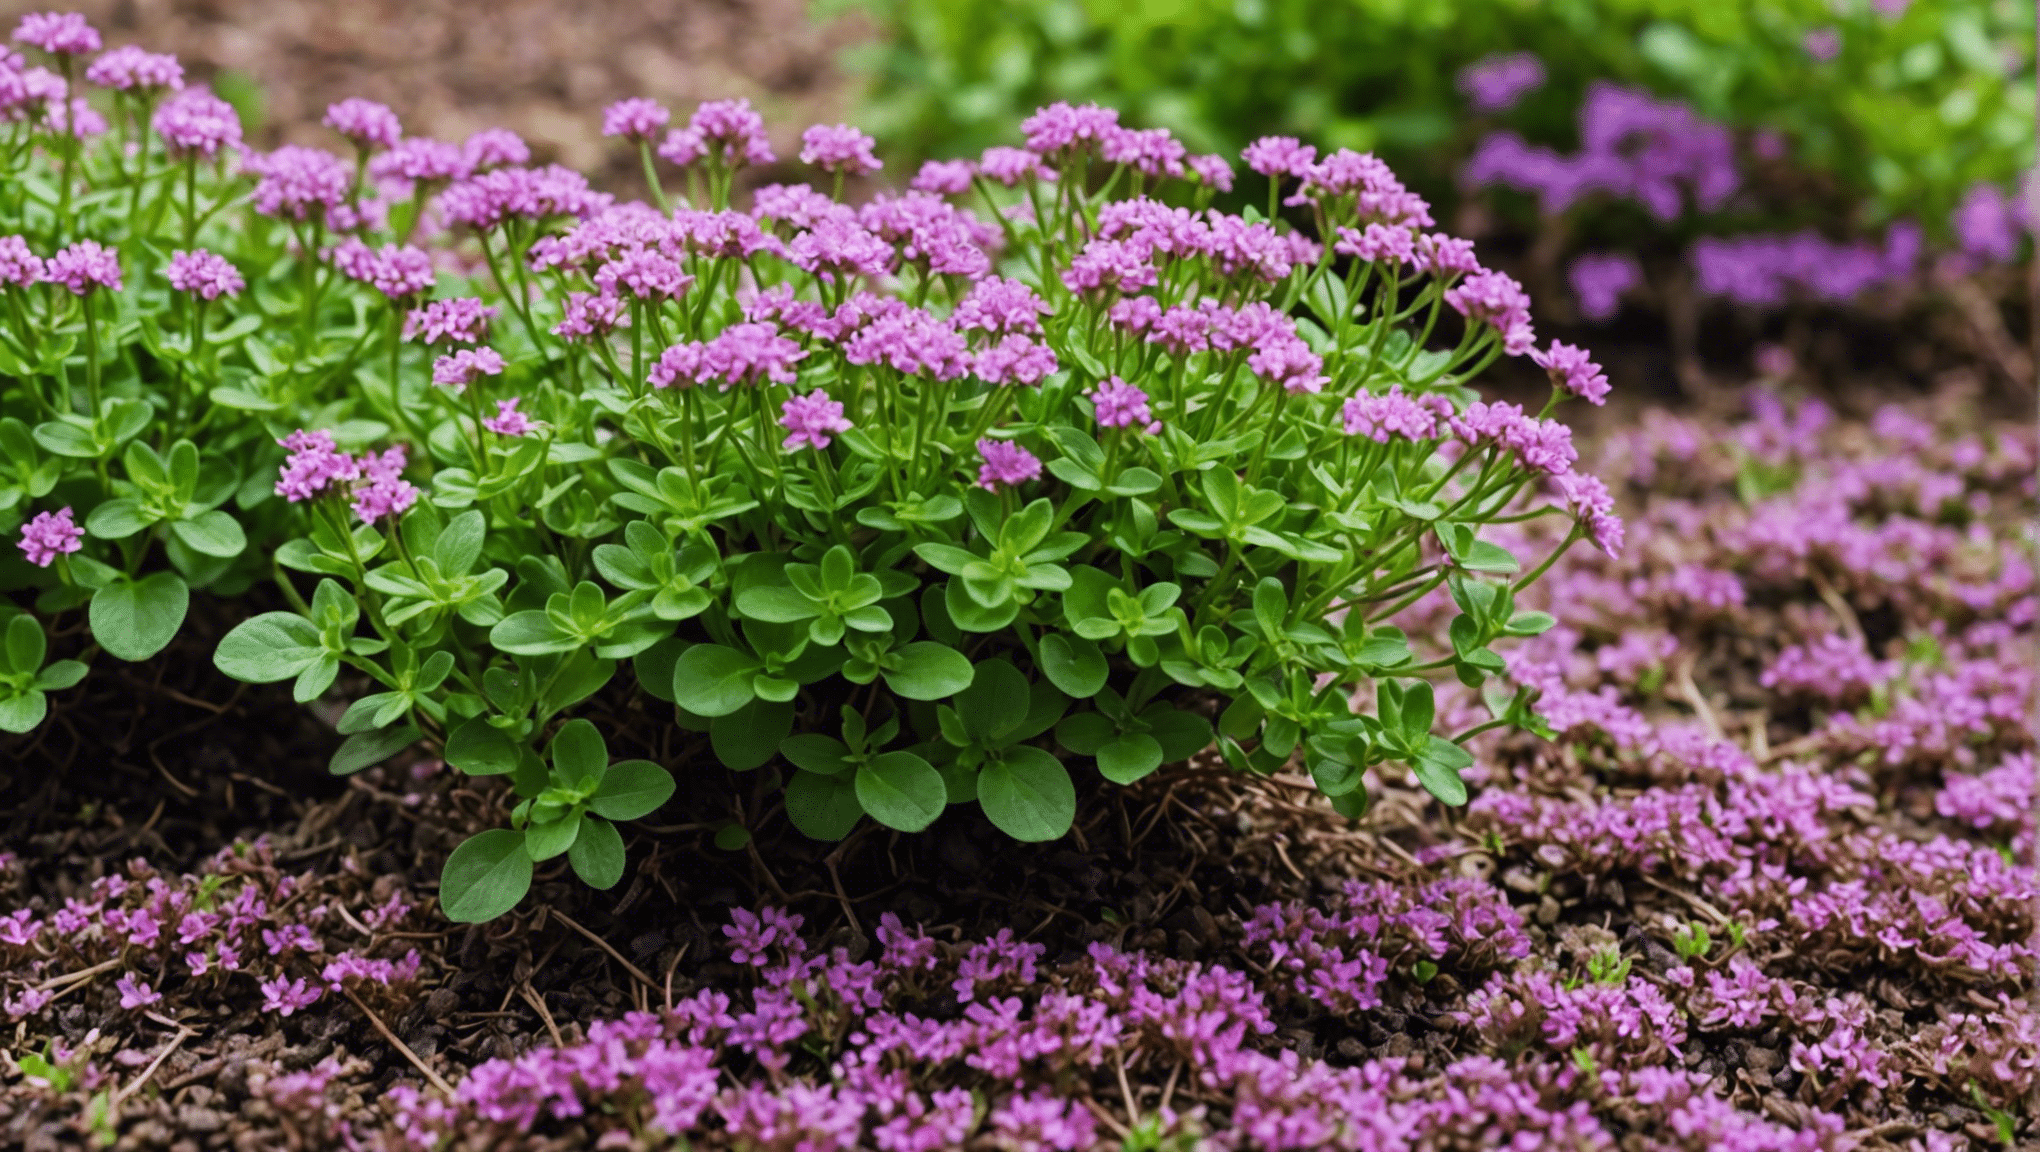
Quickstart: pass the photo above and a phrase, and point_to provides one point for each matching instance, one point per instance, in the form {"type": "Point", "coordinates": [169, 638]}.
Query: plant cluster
{"type": "Point", "coordinates": [1902, 107]}
{"type": "Point", "coordinates": [916, 502]}
{"type": "Point", "coordinates": [1858, 588]}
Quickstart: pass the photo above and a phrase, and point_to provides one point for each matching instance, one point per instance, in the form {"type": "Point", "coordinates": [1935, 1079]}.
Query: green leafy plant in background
{"type": "Point", "coordinates": [1917, 106]}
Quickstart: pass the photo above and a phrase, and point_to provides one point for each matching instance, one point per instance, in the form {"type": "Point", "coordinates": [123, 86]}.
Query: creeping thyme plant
{"type": "Point", "coordinates": [1043, 466]}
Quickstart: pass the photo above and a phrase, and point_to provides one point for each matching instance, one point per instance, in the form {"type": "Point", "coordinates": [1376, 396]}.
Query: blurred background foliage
{"type": "Point", "coordinates": [1916, 103]}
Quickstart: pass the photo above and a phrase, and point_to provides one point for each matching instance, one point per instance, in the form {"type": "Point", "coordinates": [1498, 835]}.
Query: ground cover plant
{"type": "Point", "coordinates": [898, 499]}
{"type": "Point", "coordinates": [1734, 848]}
{"type": "Point", "coordinates": [1789, 909]}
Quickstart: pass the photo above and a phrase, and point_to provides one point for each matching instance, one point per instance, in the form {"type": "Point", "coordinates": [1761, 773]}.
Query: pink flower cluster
{"type": "Point", "coordinates": [374, 483]}
{"type": "Point", "coordinates": [49, 535]}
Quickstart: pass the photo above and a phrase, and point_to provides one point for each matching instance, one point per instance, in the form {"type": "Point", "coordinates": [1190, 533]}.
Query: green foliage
{"type": "Point", "coordinates": [1912, 112]}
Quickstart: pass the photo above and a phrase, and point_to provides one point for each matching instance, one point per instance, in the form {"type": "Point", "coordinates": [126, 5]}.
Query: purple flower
{"type": "Point", "coordinates": [635, 119]}
{"type": "Point", "coordinates": [1573, 371]}
{"type": "Point", "coordinates": [313, 464]}
{"type": "Point", "coordinates": [1442, 256]}
{"type": "Point", "coordinates": [1060, 126]}
{"type": "Point", "coordinates": [1386, 415]}
{"type": "Point", "coordinates": [1005, 463]}
{"type": "Point", "coordinates": [58, 33]}
{"type": "Point", "coordinates": [297, 181]}
{"type": "Point", "coordinates": [1984, 225]}
{"type": "Point", "coordinates": [196, 123]}
{"type": "Point", "coordinates": [1288, 361]}
{"type": "Point", "coordinates": [1599, 279]}
{"type": "Point", "coordinates": [746, 353]}
{"type": "Point", "coordinates": [47, 535]}
{"type": "Point", "coordinates": [943, 177]}
{"type": "Point", "coordinates": [1149, 151]}
{"type": "Point", "coordinates": [464, 367]}
{"type": "Point", "coordinates": [204, 274]}
{"type": "Point", "coordinates": [396, 272]}
{"type": "Point", "coordinates": [493, 148]}
{"type": "Point", "coordinates": [645, 274]}
{"type": "Point", "coordinates": [84, 267]}
{"type": "Point", "coordinates": [1496, 299]}
{"type": "Point", "coordinates": [129, 68]}
{"type": "Point", "coordinates": [1595, 509]}
{"type": "Point", "coordinates": [1009, 166]}
{"type": "Point", "coordinates": [1497, 83]}
{"type": "Point", "coordinates": [386, 493]}
{"type": "Point", "coordinates": [365, 123]}
{"type": "Point", "coordinates": [837, 247]}
{"type": "Point", "coordinates": [1377, 242]}
{"type": "Point", "coordinates": [135, 995]}
{"type": "Point", "coordinates": [462, 320]}
{"type": "Point", "coordinates": [910, 342]}
{"type": "Point", "coordinates": [1015, 359]}
{"type": "Point", "coordinates": [1121, 405]}
{"type": "Point", "coordinates": [586, 315]}
{"type": "Point", "coordinates": [19, 265]}
{"type": "Point", "coordinates": [810, 420]}
{"type": "Point", "coordinates": [840, 148]}
{"type": "Point", "coordinates": [1823, 44]}
{"type": "Point", "coordinates": [1214, 170]}
{"type": "Point", "coordinates": [730, 128]}
{"type": "Point", "coordinates": [508, 421]}
{"type": "Point", "coordinates": [284, 996]}
{"type": "Point", "coordinates": [999, 306]}
{"type": "Point", "coordinates": [1276, 156]}
{"type": "Point", "coordinates": [420, 159]}
{"type": "Point", "coordinates": [484, 200]}
{"type": "Point", "coordinates": [1124, 265]}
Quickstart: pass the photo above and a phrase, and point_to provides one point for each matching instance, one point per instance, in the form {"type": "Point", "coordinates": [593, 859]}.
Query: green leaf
{"type": "Point", "coordinates": [479, 748]}
{"type": "Point", "coordinates": [1271, 605]}
{"type": "Point", "coordinates": [712, 680]}
{"type": "Point", "coordinates": [118, 519]}
{"type": "Point", "coordinates": [366, 749]}
{"type": "Point", "coordinates": [134, 620]}
{"type": "Point", "coordinates": [776, 605]}
{"type": "Point", "coordinates": [747, 738]}
{"type": "Point", "coordinates": [632, 790]}
{"type": "Point", "coordinates": [814, 752]}
{"type": "Point", "coordinates": [1334, 777]}
{"type": "Point", "coordinates": [542, 842]}
{"type": "Point", "coordinates": [213, 533]}
{"type": "Point", "coordinates": [1486, 557]}
{"type": "Point", "coordinates": [66, 439]}
{"type": "Point", "coordinates": [1085, 733]}
{"type": "Point", "coordinates": [1437, 768]}
{"type": "Point", "coordinates": [485, 877]}
{"type": "Point", "coordinates": [1181, 734]}
{"type": "Point", "coordinates": [901, 790]}
{"type": "Point", "coordinates": [925, 670]}
{"type": "Point", "coordinates": [1073, 664]}
{"type": "Point", "coordinates": [460, 543]}
{"type": "Point", "coordinates": [531, 633]}
{"type": "Point", "coordinates": [1419, 708]}
{"type": "Point", "coordinates": [822, 807]}
{"type": "Point", "coordinates": [1028, 795]}
{"type": "Point", "coordinates": [578, 752]}
{"type": "Point", "coordinates": [996, 702]}
{"type": "Point", "coordinates": [597, 854]}
{"type": "Point", "coordinates": [25, 645]}
{"type": "Point", "coordinates": [22, 713]}
{"type": "Point", "coordinates": [59, 676]}
{"type": "Point", "coordinates": [1129, 757]}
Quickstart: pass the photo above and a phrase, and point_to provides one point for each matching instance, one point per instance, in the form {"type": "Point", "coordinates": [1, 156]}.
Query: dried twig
{"type": "Point", "coordinates": [402, 1048]}
{"type": "Point", "coordinates": [599, 942]}
{"type": "Point", "coordinates": [183, 1034]}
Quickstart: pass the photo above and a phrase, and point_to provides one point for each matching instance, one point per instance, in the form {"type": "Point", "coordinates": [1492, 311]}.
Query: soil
{"type": "Point", "coordinates": [538, 67]}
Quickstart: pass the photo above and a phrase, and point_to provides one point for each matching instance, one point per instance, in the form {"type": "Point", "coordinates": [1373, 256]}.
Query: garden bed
{"type": "Point", "coordinates": [1833, 820]}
